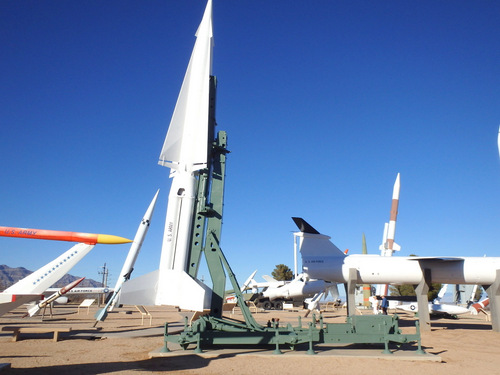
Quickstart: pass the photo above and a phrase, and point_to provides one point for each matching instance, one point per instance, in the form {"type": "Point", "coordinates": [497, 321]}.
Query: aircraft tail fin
{"type": "Point", "coordinates": [314, 243]}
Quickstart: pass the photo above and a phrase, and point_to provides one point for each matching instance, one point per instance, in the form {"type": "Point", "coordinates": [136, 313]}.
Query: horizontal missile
{"type": "Point", "coordinates": [35, 309]}
{"type": "Point", "coordinates": [321, 259]}
{"type": "Point", "coordinates": [57, 235]}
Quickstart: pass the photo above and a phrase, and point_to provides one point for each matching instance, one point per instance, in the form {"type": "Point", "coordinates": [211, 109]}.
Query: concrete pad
{"type": "Point", "coordinates": [320, 350]}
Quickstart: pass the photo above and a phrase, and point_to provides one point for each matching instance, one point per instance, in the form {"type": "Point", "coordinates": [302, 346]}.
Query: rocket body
{"type": "Point", "coordinates": [298, 287]}
{"type": "Point", "coordinates": [128, 265]}
{"type": "Point", "coordinates": [321, 259]}
{"type": "Point", "coordinates": [185, 151]}
{"type": "Point", "coordinates": [388, 245]}
{"type": "Point", "coordinates": [58, 235]}
{"type": "Point", "coordinates": [35, 309]}
{"type": "Point", "coordinates": [375, 269]}
{"type": "Point", "coordinates": [178, 222]}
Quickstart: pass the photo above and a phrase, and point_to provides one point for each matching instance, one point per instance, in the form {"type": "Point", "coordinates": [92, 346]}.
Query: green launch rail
{"type": "Point", "coordinates": [209, 331]}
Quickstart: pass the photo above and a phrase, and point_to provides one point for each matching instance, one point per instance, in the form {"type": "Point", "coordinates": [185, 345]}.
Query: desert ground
{"type": "Point", "coordinates": [123, 345]}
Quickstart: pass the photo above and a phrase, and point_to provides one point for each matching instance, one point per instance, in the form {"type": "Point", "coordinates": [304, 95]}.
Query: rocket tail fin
{"type": "Point", "coordinates": [140, 290]}
{"type": "Point", "coordinates": [177, 288]}
{"type": "Point", "coordinates": [170, 287]}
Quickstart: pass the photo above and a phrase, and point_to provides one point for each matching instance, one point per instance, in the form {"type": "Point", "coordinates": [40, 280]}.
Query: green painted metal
{"type": "Point", "coordinates": [209, 331]}
{"type": "Point", "coordinates": [203, 208]}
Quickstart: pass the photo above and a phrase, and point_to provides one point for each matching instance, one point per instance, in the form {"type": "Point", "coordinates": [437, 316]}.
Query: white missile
{"type": "Point", "coordinates": [435, 308]}
{"type": "Point", "coordinates": [133, 253]}
{"type": "Point", "coordinates": [128, 265]}
{"type": "Point", "coordinates": [185, 151]}
{"type": "Point", "coordinates": [35, 309]}
{"type": "Point", "coordinates": [388, 245]}
{"type": "Point", "coordinates": [301, 286]}
{"type": "Point", "coordinates": [321, 259]}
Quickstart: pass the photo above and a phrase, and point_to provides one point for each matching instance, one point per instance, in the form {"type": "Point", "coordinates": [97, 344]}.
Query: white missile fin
{"type": "Point", "coordinates": [140, 290]}
{"type": "Point", "coordinates": [186, 143]}
{"type": "Point", "coordinates": [184, 292]}
{"type": "Point", "coordinates": [248, 282]}
{"type": "Point", "coordinates": [269, 279]}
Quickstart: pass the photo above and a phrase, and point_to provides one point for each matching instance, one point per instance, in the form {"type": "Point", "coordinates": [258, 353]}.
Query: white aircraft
{"type": "Point", "coordinates": [436, 307]}
{"type": "Point", "coordinates": [32, 286]}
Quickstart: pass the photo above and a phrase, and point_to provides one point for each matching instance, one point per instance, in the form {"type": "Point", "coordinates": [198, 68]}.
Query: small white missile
{"type": "Point", "coordinates": [35, 309]}
{"type": "Point", "coordinates": [128, 266]}
{"type": "Point", "coordinates": [389, 246]}
{"type": "Point", "coordinates": [435, 308]}
{"type": "Point", "coordinates": [301, 286]}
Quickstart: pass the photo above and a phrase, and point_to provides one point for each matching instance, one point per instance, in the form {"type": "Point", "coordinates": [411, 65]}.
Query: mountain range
{"type": "Point", "coordinates": [10, 276]}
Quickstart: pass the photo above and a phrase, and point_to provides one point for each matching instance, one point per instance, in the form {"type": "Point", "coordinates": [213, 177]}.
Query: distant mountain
{"type": "Point", "coordinates": [10, 276]}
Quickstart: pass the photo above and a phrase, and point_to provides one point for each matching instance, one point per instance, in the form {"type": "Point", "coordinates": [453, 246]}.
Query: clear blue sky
{"type": "Point", "coordinates": [324, 103]}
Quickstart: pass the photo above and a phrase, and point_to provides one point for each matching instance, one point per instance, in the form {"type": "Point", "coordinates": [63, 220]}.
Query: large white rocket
{"type": "Point", "coordinates": [185, 151]}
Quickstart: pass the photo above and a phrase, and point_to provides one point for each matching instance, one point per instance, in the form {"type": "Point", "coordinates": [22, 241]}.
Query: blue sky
{"type": "Point", "coordinates": [324, 103]}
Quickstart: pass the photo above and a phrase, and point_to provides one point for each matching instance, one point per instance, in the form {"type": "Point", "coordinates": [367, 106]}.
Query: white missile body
{"type": "Point", "coordinates": [128, 265]}
{"type": "Point", "coordinates": [321, 259]}
{"type": "Point", "coordinates": [436, 308]}
{"type": "Point", "coordinates": [301, 286]}
{"type": "Point", "coordinates": [388, 245]}
{"type": "Point", "coordinates": [185, 151]}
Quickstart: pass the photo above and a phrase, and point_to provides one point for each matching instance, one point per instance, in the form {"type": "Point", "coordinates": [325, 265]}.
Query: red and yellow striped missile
{"type": "Point", "coordinates": [57, 235]}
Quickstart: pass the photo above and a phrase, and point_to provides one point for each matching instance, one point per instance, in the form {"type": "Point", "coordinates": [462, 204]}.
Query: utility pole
{"type": "Point", "coordinates": [104, 274]}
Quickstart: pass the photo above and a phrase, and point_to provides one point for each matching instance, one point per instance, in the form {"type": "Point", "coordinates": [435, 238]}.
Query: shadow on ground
{"type": "Point", "coordinates": [186, 362]}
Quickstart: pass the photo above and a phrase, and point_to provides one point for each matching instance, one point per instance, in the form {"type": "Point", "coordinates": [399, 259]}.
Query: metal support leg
{"type": "Point", "coordinates": [423, 301]}
{"type": "Point", "coordinates": [494, 295]}
{"type": "Point", "coordinates": [350, 290]}
{"type": "Point", "coordinates": [165, 348]}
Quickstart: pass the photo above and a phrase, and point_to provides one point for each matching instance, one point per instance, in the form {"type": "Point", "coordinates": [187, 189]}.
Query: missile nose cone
{"type": "Point", "coordinates": [397, 187]}
{"type": "Point", "coordinates": [109, 239]}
